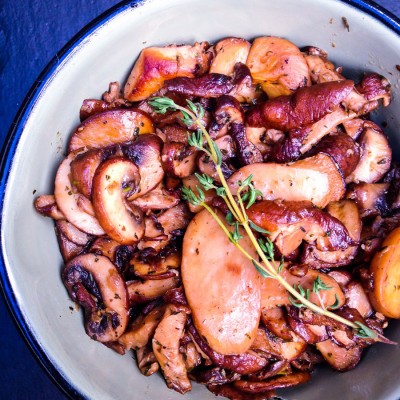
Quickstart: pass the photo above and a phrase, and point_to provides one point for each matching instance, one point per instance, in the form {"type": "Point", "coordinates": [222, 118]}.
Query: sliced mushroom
{"type": "Point", "coordinates": [246, 151]}
{"type": "Point", "coordinates": [157, 199]}
{"type": "Point", "coordinates": [157, 64]}
{"type": "Point", "coordinates": [227, 316]}
{"type": "Point", "coordinates": [68, 200]}
{"type": "Point", "coordinates": [376, 156]}
{"type": "Point", "coordinates": [67, 247]}
{"type": "Point", "coordinates": [94, 282]}
{"type": "Point", "coordinates": [83, 168]}
{"type": "Point", "coordinates": [357, 298]}
{"type": "Point", "coordinates": [113, 182]}
{"type": "Point", "coordinates": [143, 292]}
{"type": "Point", "coordinates": [306, 106]}
{"type": "Point", "coordinates": [228, 52]}
{"type": "Point", "coordinates": [347, 213]}
{"type": "Point", "coordinates": [141, 331]}
{"type": "Point", "coordinates": [145, 153]}
{"type": "Point", "coordinates": [156, 267]}
{"type": "Point", "coordinates": [178, 159]}
{"type": "Point", "coordinates": [370, 198]}
{"type": "Point", "coordinates": [315, 179]}
{"type": "Point", "coordinates": [47, 206]}
{"type": "Point", "coordinates": [339, 358]}
{"type": "Point", "coordinates": [321, 69]}
{"type": "Point", "coordinates": [277, 65]}
{"type": "Point", "coordinates": [291, 222]}
{"type": "Point", "coordinates": [147, 361]}
{"type": "Point", "coordinates": [110, 128]}
{"type": "Point", "coordinates": [193, 183]}
{"type": "Point", "coordinates": [166, 349]}
{"type": "Point", "coordinates": [244, 89]}
{"type": "Point", "coordinates": [208, 86]}
{"type": "Point", "coordinates": [173, 222]}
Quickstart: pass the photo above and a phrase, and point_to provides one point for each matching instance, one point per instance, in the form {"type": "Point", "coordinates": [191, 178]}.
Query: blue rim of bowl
{"type": "Point", "coordinates": [14, 135]}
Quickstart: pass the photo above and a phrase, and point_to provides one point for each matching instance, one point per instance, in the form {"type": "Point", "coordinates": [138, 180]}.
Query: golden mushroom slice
{"type": "Point", "coordinates": [114, 181]}
{"type": "Point", "coordinates": [277, 65]}
{"type": "Point", "coordinates": [68, 200]}
{"type": "Point", "coordinates": [110, 128]}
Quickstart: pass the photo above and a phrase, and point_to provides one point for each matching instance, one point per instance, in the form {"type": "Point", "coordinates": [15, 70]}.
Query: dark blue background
{"type": "Point", "coordinates": [31, 32]}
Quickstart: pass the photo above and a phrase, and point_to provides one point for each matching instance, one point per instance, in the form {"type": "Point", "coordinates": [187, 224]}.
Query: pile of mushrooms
{"type": "Point", "coordinates": [158, 276]}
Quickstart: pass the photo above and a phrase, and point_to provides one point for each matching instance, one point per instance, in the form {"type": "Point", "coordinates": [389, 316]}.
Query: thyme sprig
{"type": "Point", "coordinates": [246, 196]}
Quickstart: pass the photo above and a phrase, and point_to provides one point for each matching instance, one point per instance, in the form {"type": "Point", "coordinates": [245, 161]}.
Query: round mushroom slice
{"type": "Point", "coordinates": [110, 128]}
{"type": "Point", "coordinates": [114, 181]}
{"type": "Point", "coordinates": [94, 282]}
{"type": "Point", "coordinates": [69, 202]}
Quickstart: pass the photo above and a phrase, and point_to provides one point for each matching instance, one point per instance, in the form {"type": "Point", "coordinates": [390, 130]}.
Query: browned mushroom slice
{"type": "Point", "coordinates": [376, 156]}
{"type": "Point", "coordinates": [92, 107]}
{"type": "Point", "coordinates": [68, 200]}
{"type": "Point", "coordinates": [147, 361]}
{"type": "Point", "coordinates": [157, 199]}
{"type": "Point", "coordinates": [105, 246]}
{"type": "Point", "coordinates": [321, 69]}
{"type": "Point", "coordinates": [342, 148]}
{"type": "Point", "coordinates": [140, 332]}
{"type": "Point", "coordinates": [247, 152]}
{"type": "Point", "coordinates": [173, 222]}
{"type": "Point", "coordinates": [227, 318]}
{"type": "Point", "coordinates": [370, 198]}
{"type": "Point", "coordinates": [244, 89]}
{"type": "Point", "coordinates": [277, 65]}
{"type": "Point", "coordinates": [47, 206]}
{"type": "Point", "coordinates": [274, 320]}
{"type": "Point", "coordinates": [306, 106]}
{"type": "Point", "coordinates": [357, 298]}
{"type": "Point", "coordinates": [145, 153]}
{"type": "Point", "coordinates": [373, 87]}
{"type": "Point", "coordinates": [68, 248]}
{"type": "Point", "coordinates": [232, 393]}
{"type": "Point", "coordinates": [192, 356]}
{"type": "Point", "coordinates": [266, 342]}
{"type": "Point", "coordinates": [178, 159]}
{"type": "Point", "coordinates": [157, 64]}
{"type": "Point", "coordinates": [142, 292]}
{"type": "Point", "coordinates": [273, 294]}
{"type": "Point", "coordinates": [291, 222]}
{"type": "Point", "coordinates": [259, 137]}
{"type": "Point", "coordinates": [278, 382]}
{"type": "Point", "coordinates": [339, 358]}
{"type": "Point", "coordinates": [228, 52]}
{"type": "Point", "coordinates": [243, 363]}
{"type": "Point", "coordinates": [73, 234]}
{"type": "Point", "coordinates": [208, 86]}
{"type": "Point", "coordinates": [214, 376]}
{"type": "Point", "coordinates": [347, 213]}
{"type": "Point", "coordinates": [166, 349]}
{"type": "Point", "coordinates": [110, 128]}
{"type": "Point", "coordinates": [354, 127]}
{"type": "Point", "coordinates": [315, 179]}
{"type": "Point", "coordinates": [113, 182]}
{"type": "Point", "coordinates": [156, 267]}
{"type": "Point", "coordinates": [83, 168]}
{"type": "Point", "coordinates": [94, 282]}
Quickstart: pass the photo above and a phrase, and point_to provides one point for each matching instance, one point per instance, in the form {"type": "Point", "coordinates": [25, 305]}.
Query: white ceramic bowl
{"type": "Point", "coordinates": [104, 53]}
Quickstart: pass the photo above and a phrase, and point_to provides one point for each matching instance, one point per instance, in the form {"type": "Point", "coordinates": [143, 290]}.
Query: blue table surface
{"type": "Point", "coordinates": [31, 32]}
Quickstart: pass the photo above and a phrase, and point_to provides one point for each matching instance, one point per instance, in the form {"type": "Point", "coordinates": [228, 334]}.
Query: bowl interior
{"type": "Point", "coordinates": [107, 54]}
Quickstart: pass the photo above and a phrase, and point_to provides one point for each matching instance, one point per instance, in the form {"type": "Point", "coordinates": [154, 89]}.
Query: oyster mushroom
{"type": "Point", "coordinates": [68, 201]}
{"type": "Point", "coordinates": [94, 282]}
{"type": "Point", "coordinates": [166, 349]}
{"type": "Point", "coordinates": [110, 128]}
{"type": "Point", "coordinates": [157, 64]}
{"type": "Point", "coordinates": [316, 179]}
{"type": "Point", "coordinates": [277, 65]}
{"type": "Point", "coordinates": [113, 182]}
{"type": "Point", "coordinates": [228, 52]}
